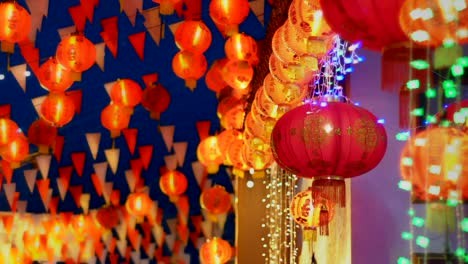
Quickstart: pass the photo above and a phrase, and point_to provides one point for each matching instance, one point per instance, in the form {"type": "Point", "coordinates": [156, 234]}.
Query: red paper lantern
{"type": "Point", "coordinates": [328, 141]}
{"type": "Point", "coordinates": [216, 200]}
{"type": "Point", "coordinates": [214, 77]}
{"type": "Point", "coordinates": [156, 99]}
{"type": "Point", "coordinates": [54, 77]}
{"type": "Point", "coordinates": [229, 13]}
{"type": "Point", "coordinates": [234, 155]}
{"type": "Point", "coordinates": [108, 217]}
{"type": "Point", "coordinates": [209, 155]}
{"type": "Point", "coordinates": [242, 47]}
{"type": "Point", "coordinates": [16, 150]}
{"type": "Point", "coordinates": [15, 23]}
{"type": "Point", "coordinates": [190, 67]}
{"type": "Point", "coordinates": [193, 36]}
{"type": "Point", "coordinates": [225, 139]}
{"type": "Point", "coordinates": [42, 134]}
{"type": "Point", "coordinates": [173, 184]}
{"type": "Point", "coordinates": [58, 109]}
{"type": "Point", "coordinates": [115, 118]}
{"type": "Point", "coordinates": [76, 53]}
{"type": "Point", "coordinates": [215, 251]}
{"type": "Point", "coordinates": [231, 112]}
{"type": "Point", "coordinates": [238, 74]}
{"type": "Point", "coordinates": [138, 204]}
{"type": "Point", "coordinates": [9, 130]}
{"type": "Point", "coordinates": [126, 92]}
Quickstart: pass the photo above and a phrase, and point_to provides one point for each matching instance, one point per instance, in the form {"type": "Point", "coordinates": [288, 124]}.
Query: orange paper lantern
{"type": "Point", "coordinates": [229, 13]}
{"type": "Point", "coordinates": [173, 184]}
{"type": "Point", "coordinates": [225, 139]}
{"type": "Point", "coordinates": [209, 155]}
{"type": "Point", "coordinates": [242, 47]}
{"type": "Point", "coordinates": [238, 74]}
{"type": "Point", "coordinates": [216, 200]}
{"type": "Point", "coordinates": [193, 36]}
{"type": "Point", "coordinates": [42, 134]}
{"type": "Point", "coordinates": [15, 24]}
{"type": "Point", "coordinates": [234, 155]}
{"type": "Point", "coordinates": [138, 204]}
{"type": "Point", "coordinates": [126, 92]}
{"type": "Point", "coordinates": [156, 99]}
{"type": "Point", "coordinates": [231, 112]}
{"type": "Point", "coordinates": [54, 77]}
{"type": "Point", "coordinates": [76, 53]}
{"type": "Point", "coordinates": [214, 77]}
{"type": "Point", "coordinates": [9, 130]}
{"type": "Point", "coordinates": [257, 159]}
{"type": "Point", "coordinates": [284, 94]}
{"type": "Point", "coordinates": [58, 109]}
{"type": "Point", "coordinates": [215, 251]}
{"type": "Point", "coordinates": [115, 118]}
{"type": "Point", "coordinates": [16, 151]}
{"type": "Point", "coordinates": [190, 67]}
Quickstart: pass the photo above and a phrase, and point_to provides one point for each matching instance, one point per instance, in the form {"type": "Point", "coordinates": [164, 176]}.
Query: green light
{"type": "Point", "coordinates": [463, 61]}
{"type": "Point", "coordinates": [448, 84]}
{"type": "Point", "coordinates": [452, 202]}
{"type": "Point", "coordinates": [419, 64]}
{"type": "Point", "coordinates": [413, 84]}
{"type": "Point", "coordinates": [422, 241]}
{"type": "Point", "coordinates": [411, 212]}
{"type": "Point", "coordinates": [431, 119]}
{"type": "Point", "coordinates": [450, 93]}
{"type": "Point", "coordinates": [418, 221]}
{"type": "Point", "coordinates": [402, 136]}
{"type": "Point", "coordinates": [403, 260]}
{"type": "Point", "coordinates": [404, 185]}
{"type": "Point", "coordinates": [431, 93]}
{"type": "Point", "coordinates": [464, 224]}
{"type": "Point", "coordinates": [460, 252]}
{"type": "Point", "coordinates": [418, 111]}
{"type": "Point", "coordinates": [406, 235]}
{"type": "Point", "coordinates": [457, 70]}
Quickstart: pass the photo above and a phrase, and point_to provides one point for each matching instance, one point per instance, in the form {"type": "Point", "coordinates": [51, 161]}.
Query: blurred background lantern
{"type": "Point", "coordinates": [76, 53]}
{"type": "Point", "coordinates": [108, 217]}
{"type": "Point", "coordinates": [234, 155]}
{"type": "Point", "coordinates": [215, 251]}
{"type": "Point", "coordinates": [173, 184]}
{"type": "Point", "coordinates": [190, 67]}
{"type": "Point", "coordinates": [9, 130]}
{"type": "Point", "coordinates": [193, 36]}
{"type": "Point", "coordinates": [126, 92]}
{"type": "Point", "coordinates": [231, 112]}
{"type": "Point", "coordinates": [54, 77]}
{"type": "Point", "coordinates": [238, 74]}
{"type": "Point", "coordinates": [214, 77]}
{"type": "Point", "coordinates": [209, 155]}
{"type": "Point", "coordinates": [216, 201]}
{"type": "Point", "coordinates": [229, 14]}
{"type": "Point", "coordinates": [16, 151]}
{"type": "Point", "coordinates": [15, 25]}
{"type": "Point", "coordinates": [328, 141]}
{"type": "Point", "coordinates": [42, 134]}
{"type": "Point", "coordinates": [156, 99]}
{"type": "Point", "coordinates": [115, 118]}
{"type": "Point", "coordinates": [57, 109]}
{"type": "Point", "coordinates": [138, 204]}
{"type": "Point", "coordinates": [241, 47]}
{"type": "Point", "coordinates": [256, 159]}
{"type": "Point", "coordinates": [284, 94]}
{"type": "Point", "coordinates": [291, 73]}
{"type": "Point", "coordinates": [225, 139]}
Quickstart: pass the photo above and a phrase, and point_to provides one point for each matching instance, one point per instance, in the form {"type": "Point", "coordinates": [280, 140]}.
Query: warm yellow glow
{"type": "Point", "coordinates": [123, 91]}
{"type": "Point", "coordinates": [328, 128]}
{"type": "Point", "coordinates": [318, 19]}
{"type": "Point", "coordinates": [11, 17]}
{"type": "Point", "coordinates": [138, 203]}
{"type": "Point", "coordinates": [3, 130]}
{"type": "Point", "coordinates": [197, 36]}
{"type": "Point", "coordinates": [172, 183]}
{"type": "Point", "coordinates": [225, 6]}
{"type": "Point", "coordinates": [58, 109]}
{"type": "Point", "coordinates": [14, 149]}
{"type": "Point", "coordinates": [238, 44]}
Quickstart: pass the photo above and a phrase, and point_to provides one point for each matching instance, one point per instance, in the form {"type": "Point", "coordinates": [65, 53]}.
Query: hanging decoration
{"type": "Point", "coordinates": [15, 25]}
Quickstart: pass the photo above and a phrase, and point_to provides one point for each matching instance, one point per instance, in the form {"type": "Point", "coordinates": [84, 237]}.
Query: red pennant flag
{"type": "Point", "coordinates": [115, 197]}
{"type": "Point", "coordinates": [76, 192]}
{"type": "Point", "coordinates": [15, 201]}
{"type": "Point", "coordinates": [65, 174]}
{"type": "Point", "coordinates": [88, 8]}
{"type": "Point", "coordinates": [58, 147]}
{"type": "Point", "coordinates": [146, 154]}
{"type": "Point", "coordinates": [114, 258]}
{"type": "Point", "coordinates": [77, 97]}
{"type": "Point", "coordinates": [137, 166]}
{"type": "Point", "coordinates": [138, 43]}
{"type": "Point", "coordinates": [43, 187]}
{"type": "Point", "coordinates": [5, 111]}
{"type": "Point", "coordinates": [7, 170]}
{"type": "Point", "coordinates": [183, 204]}
{"type": "Point", "coordinates": [159, 216]}
{"type": "Point", "coordinates": [193, 9]}
{"type": "Point", "coordinates": [8, 223]}
{"type": "Point", "coordinates": [133, 237]}
{"type": "Point", "coordinates": [150, 79]}
{"type": "Point", "coordinates": [66, 217]}
{"type": "Point", "coordinates": [194, 237]}
{"type": "Point", "coordinates": [97, 184]}
{"type": "Point", "coordinates": [110, 34]}
{"type": "Point", "coordinates": [79, 17]}
{"type": "Point", "coordinates": [78, 159]}
{"type": "Point", "coordinates": [130, 135]}
{"type": "Point", "coordinates": [203, 128]}
{"type": "Point", "coordinates": [31, 55]}
{"type": "Point", "coordinates": [53, 205]}
{"type": "Point", "coordinates": [183, 232]}
{"type": "Point", "coordinates": [162, 170]}
{"type": "Point", "coordinates": [197, 221]}
{"type": "Point", "coordinates": [99, 248]}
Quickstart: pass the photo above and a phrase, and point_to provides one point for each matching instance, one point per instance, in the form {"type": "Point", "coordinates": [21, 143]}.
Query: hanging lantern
{"type": "Point", "coordinates": [307, 18]}
{"type": "Point", "coordinates": [16, 151]}
{"type": "Point", "coordinates": [229, 13]}
{"type": "Point", "coordinates": [156, 99]}
{"type": "Point", "coordinates": [193, 36]}
{"type": "Point", "coordinates": [231, 112]}
{"type": "Point", "coordinates": [214, 77]}
{"type": "Point", "coordinates": [225, 138]}
{"type": "Point", "coordinates": [292, 73]}
{"type": "Point", "coordinates": [138, 204]}
{"type": "Point", "coordinates": [307, 48]}
{"type": "Point", "coordinates": [328, 141]}
{"type": "Point", "coordinates": [167, 7]}
{"type": "Point", "coordinates": [190, 67]}
{"type": "Point", "coordinates": [42, 134]}
{"type": "Point", "coordinates": [234, 155]}
{"type": "Point", "coordinates": [215, 251]}
{"type": "Point", "coordinates": [215, 200]}
{"type": "Point", "coordinates": [238, 74]}
{"type": "Point", "coordinates": [209, 155]}
{"type": "Point", "coordinates": [173, 184]}
{"type": "Point", "coordinates": [57, 109]}
{"type": "Point", "coordinates": [433, 161]}
{"type": "Point", "coordinates": [15, 25]}
{"type": "Point", "coordinates": [9, 130]}
{"type": "Point", "coordinates": [115, 118]}
{"type": "Point", "coordinates": [126, 92]}
{"type": "Point", "coordinates": [284, 94]}
{"type": "Point", "coordinates": [76, 53]}
{"type": "Point", "coordinates": [265, 106]}
{"type": "Point", "coordinates": [54, 77]}
{"type": "Point", "coordinates": [257, 133]}
{"type": "Point", "coordinates": [257, 159]}
{"type": "Point", "coordinates": [108, 217]}
{"type": "Point", "coordinates": [242, 47]}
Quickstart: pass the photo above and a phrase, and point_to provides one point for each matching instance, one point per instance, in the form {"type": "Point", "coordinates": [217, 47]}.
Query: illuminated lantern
{"type": "Point", "coordinates": [190, 67]}
{"type": "Point", "coordinates": [108, 217]}
{"type": "Point", "coordinates": [238, 74]}
{"type": "Point", "coordinates": [257, 133]}
{"type": "Point", "coordinates": [216, 200]}
{"type": "Point", "coordinates": [293, 73]}
{"type": "Point", "coordinates": [307, 48]}
{"type": "Point", "coordinates": [209, 155]}
{"type": "Point", "coordinates": [257, 159]}
{"type": "Point", "coordinates": [54, 77]}
{"type": "Point", "coordinates": [193, 36]}
{"type": "Point", "coordinates": [215, 251]}
{"type": "Point", "coordinates": [284, 94]}
{"type": "Point", "coordinates": [225, 138]}
{"type": "Point", "coordinates": [434, 162]}
{"type": "Point", "coordinates": [166, 7]}
{"type": "Point", "coordinates": [126, 92]}
{"type": "Point", "coordinates": [76, 53]}
{"type": "Point", "coordinates": [15, 24]}
{"type": "Point", "coordinates": [214, 77]}
{"type": "Point", "coordinates": [115, 118]}
{"type": "Point", "coordinates": [138, 204]}
{"type": "Point", "coordinates": [307, 18]}
{"type": "Point", "coordinates": [265, 106]}
{"type": "Point", "coordinates": [229, 13]}
{"type": "Point", "coordinates": [281, 49]}
{"type": "Point", "coordinates": [234, 155]}
{"type": "Point", "coordinates": [9, 130]}
{"type": "Point", "coordinates": [328, 141]}
{"type": "Point", "coordinates": [231, 112]}
{"type": "Point", "coordinates": [241, 47]}
{"type": "Point", "coordinates": [310, 212]}
{"type": "Point", "coordinates": [156, 99]}
{"type": "Point", "coordinates": [173, 184]}
{"type": "Point", "coordinates": [16, 151]}
{"type": "Point", "coordinates": [42, 134]}
{"type": "Point", "coordinates": [57, 109]}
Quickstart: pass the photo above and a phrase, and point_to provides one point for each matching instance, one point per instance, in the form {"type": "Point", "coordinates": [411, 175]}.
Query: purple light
{"type": "Point", "coordinates": [357, 103]}
{"type": "Point", "coordinates": [323, 104]}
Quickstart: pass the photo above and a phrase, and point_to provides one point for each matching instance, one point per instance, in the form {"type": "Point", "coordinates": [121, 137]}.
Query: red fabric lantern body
{"type": "Point", "coordinates": [156, 99]}
{"type": "Point", "coordinates": [42, 134]}
{"type": "Point", "coordinates": [214, 77]}
{"type": "Point", "coordinates": [216, 200]}
{"type": "Point", "coordinates": [16, 151]}
{"type": "Point", "coordinates": [15, 23]}
{"type": "Point", "coordinates": [108, 217]}
{"type": "Point", "coordinates": [173, 184]}
{"type": "Point", "coordinates": [215, 251]}
{"type": "Point", "coordinates": [126, 92]}
{"type": "Point", "coordinates": [138, 204]}
{"type": "Point", "coordinates": [54, 77]}
{"type": "Point", "coordinates": [193, 36]}
{"type": "Point", "coordinates": [209, 155]}
{"type": "Point", "coordinates": [76, 53]}
{"type": "Point", "coordinates": [190, 67]}
{"type": "Point", "coordinates": [241, 47]}
{"type": "Point", "coordinates": [229, 13]}
{"type": "Point", "coordinates": [58, 109]}
{"type": "Point", "coordinates": [328, 139]}
{"type": "Point", "coordinates": [115, 118]}
{"type": "Point", "coordinates": [9, 130]}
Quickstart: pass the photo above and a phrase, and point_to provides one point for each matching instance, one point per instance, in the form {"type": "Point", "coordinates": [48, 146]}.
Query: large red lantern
{"type": "Point", "coordinates": [138, 204]}
{"type": "Point", "coordinates": [241, 47]}
{"type": "Point", "coordinates": [16, 151]}
{"type": "Point", "coordinates": [54, 77]}
{"type": "Point", "coordinates": [216, 200]}
{"type": "Point", "coordinates": [193, 36]}
{"type": "Point", "coordinates": [115, 118]}
{"type": "Point", "coordinates": [173, 184]}
{"type": "Point", "coordinates": [229, 13]}
{"type": "Point", "coordinates": [209, 155]}
{"type": "Point", "coordinates": [190, 67]}
{"type": "Point", "coordinates": [215, 251]}
{"type": "Point", "coordinates": [9, 130]}
{"type": "Point", "coordinates": [76, 53]}
{"type": "Point", "coordinates": [58, 109]}
{"type": "Point", "coordinates": [108, 217]}
{"type": "Point", "coordinates": [156, 99]}
{"type": "Point", "coordinates": [15, 24]}
{"type": "Point", "coordinates": [328, 141]}
{"type": "Point", "coordinates": [42, 134]}
{"type": "Point", "coordinates": [126, 92]}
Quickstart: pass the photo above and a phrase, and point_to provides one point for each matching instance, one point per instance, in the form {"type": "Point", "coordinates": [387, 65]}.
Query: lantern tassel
{"type": "Point", "coordinates": [330, 188]}
{"type": "Point", "coordinates": [323, 221]}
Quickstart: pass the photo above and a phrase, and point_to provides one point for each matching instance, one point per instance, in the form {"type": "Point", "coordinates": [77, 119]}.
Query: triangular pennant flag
{"type": "Point", "coordinates": [53, 205]}
{"type": "Point", "coordinates": [146, 154]}
{"type": "Point", "coordinates": [93, 140]}
{"type": "Point", "coordinates": [78, 160]}
{"type": "Point", "coordinates": [7, 171]}
{"type": "Point", "coordinates": [122, 246]}
{"type": "Point", "coordinates": [203, 128]}
{"type": "Point", "coordinates": [110, 34]}
{"type": "Point", "coordinates": [130, 8]}
{"type": "Point", "coordinates": [97, 183]}
{"type": "Point", "coordinates": [30, 177]}
{"type": "Point", "coordinates": [76, 192]}
{"type": "Point", "coordinates": [108, 86]}
{"type": "Point", "coordinates": [5, 111]}
{"type": "Point", "coordinates": [19, 72]}
{"type": "Point", "coordinates": [43, 163]}
{"type": "Point", "coordinates": [153, 23]}
{"type": "Point", "coordinates": [21, 206]}
{"type": "Point", "coordinates": [88, 8]}
{"type": "Point", "coordinates": [168, 136]}
{"type": "Point", "coordinates": [150, 79]}
{"type": "Point", "coordinates": [43, 187]}
{"type": "Point", "coordinates": [65, 32]}
{"type": "Point", "coordinates": [58, 147]}
{"type": "Point", "coordinates": [221, 219]}
{"type": "Point", "coordinates": [37, 102]}
{"type": "Point", "coordinates": [170, 240]}
{"type": "Point", "coordinates": [137, 166]}
{"type": "Point", "coordinates": [31, 55]}
{"type": "Point", "coordinates": [77, 98]}
{"type": "Point", "coordinates": [183, 205]}
{"type": "Point", "coordinates": [62, 188]}
{"type": "Point", "coordinates": [107, 191]}
{"type": "Point", "coordinates": [101, 171]}
{"type": "Point", "coordinates": [199, 171]}
{"type": "Point", "coordinates": [131, 181]}
{"type": "Point", "coordinates": [138, 42]}
{"type": "Point", "coordinates": [112, 156]}
{"type": "Point", "coordinates": [100, 54]}
{"type": "Point", "coordinates": [196, 221]}
{"type": "Point", "coordinates": [171, 162]}
{"type": "Point", "coordinates": [130, 135]}
{"type": "Point", "coordinates": [173, 27]}
{"type": "Point", "coordinates": [207, 229]}
{"type": "Point", "coordinates": [84, 202]}
{"type": "Point", "coordinates": [134, 237]}
{"type": "Point", "coordinates": [79, 17]}
{"type": "Point", "coordinates": [180, 149]}
{"type": "Point", "coordinates": [258, 8]}
{"type": "Point", "coordinates": [39, 9]}
{"type": "Point", "coordinates": [10, 189]}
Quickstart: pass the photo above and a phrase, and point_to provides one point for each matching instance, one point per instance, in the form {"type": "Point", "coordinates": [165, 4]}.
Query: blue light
{"type": "Point", "coordinates": [350, 69]}
{"type": "Point", "coordinates": [340, 77]}
{"type": "Point", "coordinates": [381, 121]}
{"type": "Point", "coordinates": [357, 103]}
{"type": "Point", "coordinates": [361, 59]}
